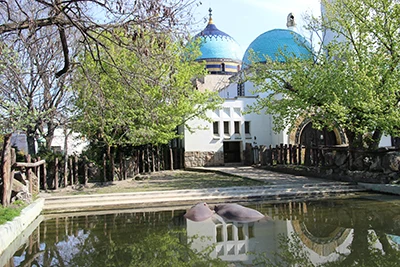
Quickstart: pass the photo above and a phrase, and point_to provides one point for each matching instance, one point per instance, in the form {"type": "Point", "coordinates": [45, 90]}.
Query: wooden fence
{"type": "Point", "coordinates": [79, 170]}
{"type": "Point", "coordinates": [291, 155]}
{"type": "Point", "coordinates": [309, 156]}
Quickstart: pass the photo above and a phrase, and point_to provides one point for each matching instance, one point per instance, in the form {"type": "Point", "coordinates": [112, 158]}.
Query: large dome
{"type": "Point", "coordinates": [271, 42]}
{"type": "Point", "coordinates": [219, 50]}
{"type": "Point", "coordinates": [217, 44]}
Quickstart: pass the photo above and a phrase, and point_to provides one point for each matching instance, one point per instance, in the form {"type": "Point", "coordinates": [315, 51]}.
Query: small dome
{"type": "Point", "coordinates": [217, 44]}
{"type": "Point", "coordinates": [271, 42]}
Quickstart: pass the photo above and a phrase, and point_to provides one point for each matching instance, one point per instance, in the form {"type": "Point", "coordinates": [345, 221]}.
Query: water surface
{"type": "Point", "coordinates": [343, 232]}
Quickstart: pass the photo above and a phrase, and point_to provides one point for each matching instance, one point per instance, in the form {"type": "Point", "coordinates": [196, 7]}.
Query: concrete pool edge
{"type": "Point", "coordinates": [382, 188]}
{"type": "Point", "coordinates": [13, 229]}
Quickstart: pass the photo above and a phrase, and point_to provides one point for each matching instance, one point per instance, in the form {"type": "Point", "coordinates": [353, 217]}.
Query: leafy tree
{"type": "Point", "coordinates": [351, 82]}
{"type": "Point", "coordinates": [139, 95]}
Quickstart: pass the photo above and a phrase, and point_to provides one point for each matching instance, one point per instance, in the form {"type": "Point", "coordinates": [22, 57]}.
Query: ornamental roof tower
{"type": "Point", "coordinates": [220, 51]}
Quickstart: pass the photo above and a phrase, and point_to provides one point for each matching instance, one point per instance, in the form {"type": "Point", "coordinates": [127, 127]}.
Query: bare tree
{"type": "Point", "coordinates": [91, 18]}
{"type": "Point", "coordinates": [41, 40]}
{"type": "Point", "coordinates": [28, 83]}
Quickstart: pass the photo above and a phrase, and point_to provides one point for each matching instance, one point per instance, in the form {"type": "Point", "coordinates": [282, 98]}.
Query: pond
{"type": "Point", "coordinates": [363, 231]}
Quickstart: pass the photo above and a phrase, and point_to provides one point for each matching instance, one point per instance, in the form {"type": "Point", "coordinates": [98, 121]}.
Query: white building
{"type": "Point", "coordinates": [224, 140]}
{"type": "Point", "coordinates": [74, 142]}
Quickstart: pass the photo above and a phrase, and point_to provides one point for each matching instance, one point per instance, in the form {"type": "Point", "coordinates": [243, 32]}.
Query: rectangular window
{"type": "Point", "coordinates": [237, 127]}
{"type": "Point", "coordinates": [216, 128]}
{"type": "Point", "coordinates": [240, 89]}
{"type": "Point", "coordinates": [226, 127]}
{"type": "Point", "coordinates": [247, 127]}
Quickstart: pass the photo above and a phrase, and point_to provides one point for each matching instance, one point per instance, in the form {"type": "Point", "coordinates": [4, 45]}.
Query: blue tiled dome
{"type": "Point", "coordinates": [218, 45]}
{"type": "Point", "coordinates": [271, 42]}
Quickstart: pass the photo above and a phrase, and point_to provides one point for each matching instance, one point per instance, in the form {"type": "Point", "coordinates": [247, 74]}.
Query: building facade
{"type": "Point", "coordinates": [223, 140]}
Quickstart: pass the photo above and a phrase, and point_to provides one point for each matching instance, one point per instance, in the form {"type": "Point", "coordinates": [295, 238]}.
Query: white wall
{"type": "Point", "coordinates": [203, 139]}
{"type": "Point", "coordinates": [75, 143]}
{"type": "Point", "coordinates": [231, 91]}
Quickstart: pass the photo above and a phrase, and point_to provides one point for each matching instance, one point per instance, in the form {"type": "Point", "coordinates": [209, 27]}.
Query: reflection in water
{"type": "Point", "coordinates": [326, 233]}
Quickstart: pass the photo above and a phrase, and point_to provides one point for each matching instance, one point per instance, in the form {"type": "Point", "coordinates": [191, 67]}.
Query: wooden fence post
{"type": "Point", "coordinates": [71, 170]}
{"type": "Point", "coordinates": [76, 179]}
{"type": "Point", "coordinates": [300, 148]}
{"type": "Point", "coordinates": [44, 176]}
{"type": "Point", "coordinates": [6, 170]}
{"type": "Point", "coordinates": [285, 154]}
{"type": "Point", "coordinates": [112, 165]}
{"type": "Point", "coordinates": [294, 154]}
{"type": "Point", "coordinates": [153, 160]}
{"type": "Point", "coordinates": [104, 168]}
{"type": "Point", "coordinates": [38, 172]}
{"type": "Point", "coordinates": [65, 170]}
{"type": "Point", "coordinates": [29, 174]}
{"type": "Point", "coordinates": [158, 158]}
{"type": "Point", "coordinates": [143, 161]}
{"type": "Point", "coordinates": [56, 173]}
{"type": "Point", "coordinates": [307, 156]}
{"type": "Point", "coordinates": [290, 154]}
{"type": "Point", "coordinates": [86, 170]}
{"type": "Point", "coordinates": [171, 156]}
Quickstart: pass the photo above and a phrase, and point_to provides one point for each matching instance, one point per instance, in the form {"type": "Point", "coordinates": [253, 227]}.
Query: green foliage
{"type": "Point", "coordinates": [292, 252]}
{"type": "Point", "coordinates": [139, 95]}
{"type": "Point", "coordinates": [352, 81]}
{"type": "Point", "coordinates": [167, 250]}
{"type": "Point", "coordinates": [9, 213]}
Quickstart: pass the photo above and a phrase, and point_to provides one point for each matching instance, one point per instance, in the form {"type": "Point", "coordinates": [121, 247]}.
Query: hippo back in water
{"type": "Point", "coordinates": [236, 212]}
{"type": "Point", "coordinates": [199, 212]}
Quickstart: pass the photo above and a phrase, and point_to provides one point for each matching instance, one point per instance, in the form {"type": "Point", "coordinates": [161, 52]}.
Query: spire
{"type": "Point", "coordinates": [210, 21]}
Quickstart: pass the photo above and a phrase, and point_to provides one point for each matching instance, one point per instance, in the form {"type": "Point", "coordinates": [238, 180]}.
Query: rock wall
{"type": "Point", "coordinates": [201, 159]}
{"type": "Point", "coordinates": [379, 167]}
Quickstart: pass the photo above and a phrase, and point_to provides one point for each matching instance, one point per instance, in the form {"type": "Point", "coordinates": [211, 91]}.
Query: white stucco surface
{"type": "Point", "coordinates": [233, 110]}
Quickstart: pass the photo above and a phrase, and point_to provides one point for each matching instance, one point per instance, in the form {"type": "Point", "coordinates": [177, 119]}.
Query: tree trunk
{"type": "Point", "coordinates": [50, 134]}
{"type": "Point", "coordinates": [373, 143]}
{"type": "Point", "coordinates": [112, 164]}
{"type": "Point", "coordinates": [30, 139]}
{"type": "Point", "coordinates": [6, 171]}
{"type": "Point", "coordinates": [66, 134]}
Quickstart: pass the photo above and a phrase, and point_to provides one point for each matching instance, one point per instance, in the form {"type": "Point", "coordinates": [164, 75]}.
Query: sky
{"type": "Point", "coordinates": [245, 20]}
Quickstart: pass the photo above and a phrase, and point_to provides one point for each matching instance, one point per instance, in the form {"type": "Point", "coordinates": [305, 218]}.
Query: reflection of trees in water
{"type": "Point", "coordinates": [159, 238]}
{"type": "Point", "coordinates": [328, 222]}
{"type": "Point", "coordinates": [291, 253]}
{"type": "Point", "coordinates": [126, 239]}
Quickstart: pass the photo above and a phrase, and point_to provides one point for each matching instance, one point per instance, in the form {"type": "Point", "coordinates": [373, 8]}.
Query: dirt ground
{"type": "Point", "coordinates": [158, 181]}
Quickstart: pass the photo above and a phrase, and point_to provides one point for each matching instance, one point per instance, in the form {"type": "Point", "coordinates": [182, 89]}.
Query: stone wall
{"type": "Point", "coordinates": [382, 166]}
{"type": "Point", "coordinates": [201, 159]}
{"type": "Point", "coordinates": [379, 167]}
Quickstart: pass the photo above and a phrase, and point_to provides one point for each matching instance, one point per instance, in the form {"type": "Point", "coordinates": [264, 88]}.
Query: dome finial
{"type": "Point", "coordinates": [210, 21]}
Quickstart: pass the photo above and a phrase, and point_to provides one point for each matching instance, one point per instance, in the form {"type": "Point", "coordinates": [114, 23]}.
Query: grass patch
{"type": "Point", "coordinates": [9, 213]}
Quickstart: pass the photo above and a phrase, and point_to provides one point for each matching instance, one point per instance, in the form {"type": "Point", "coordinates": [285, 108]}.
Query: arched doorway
{"type": "Point", "coordinates": [313, 137]}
